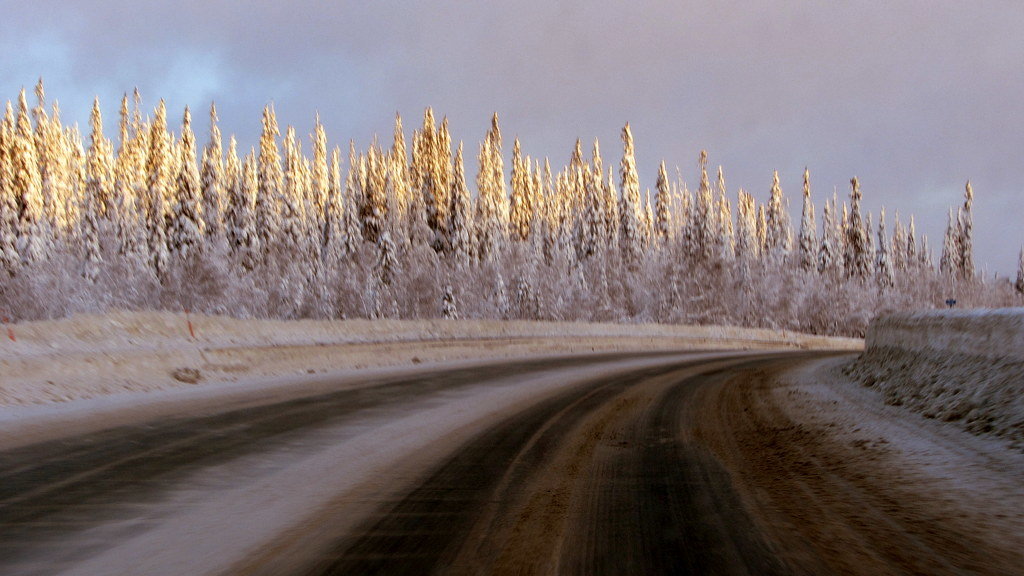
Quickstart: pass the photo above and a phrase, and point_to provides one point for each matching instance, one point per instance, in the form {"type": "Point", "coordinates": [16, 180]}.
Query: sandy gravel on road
{"type": "Point", "coordinates": [850, 485]}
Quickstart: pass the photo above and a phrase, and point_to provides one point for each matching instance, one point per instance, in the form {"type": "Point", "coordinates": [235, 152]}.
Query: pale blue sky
{"type": "Point", "coordinates": [914, 98]}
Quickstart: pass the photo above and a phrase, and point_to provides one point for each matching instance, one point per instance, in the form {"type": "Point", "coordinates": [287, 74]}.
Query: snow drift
{"type": "Point", "coordinates": [960, 366]}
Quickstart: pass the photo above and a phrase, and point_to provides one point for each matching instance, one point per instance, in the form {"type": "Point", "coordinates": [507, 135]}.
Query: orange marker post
{"type": "Point", "coordinates": [10, 330]}
{"type": "Point", "coordinates": [191, 332]}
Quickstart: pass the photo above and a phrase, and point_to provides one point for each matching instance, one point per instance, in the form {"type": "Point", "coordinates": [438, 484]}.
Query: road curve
{"type": "Point", "coordinates": [608, 464]}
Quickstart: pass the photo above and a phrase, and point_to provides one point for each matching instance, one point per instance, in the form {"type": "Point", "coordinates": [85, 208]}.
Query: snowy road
{"type": "Point", "coordinates": [662, 463]}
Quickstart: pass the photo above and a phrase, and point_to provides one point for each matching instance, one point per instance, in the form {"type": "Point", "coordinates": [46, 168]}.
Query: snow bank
{"type": "Point", "coordinates": [965, 366]}
{"type": "Point", "coordinates": [87, 356]}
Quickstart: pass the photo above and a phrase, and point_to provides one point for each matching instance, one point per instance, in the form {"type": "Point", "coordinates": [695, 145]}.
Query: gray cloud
{"type": "Point", "coordinates": [914, 98]}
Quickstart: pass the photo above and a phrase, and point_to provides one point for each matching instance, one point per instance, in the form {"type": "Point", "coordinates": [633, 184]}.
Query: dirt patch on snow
{"type": "Point", "coordinates": [90, 356]}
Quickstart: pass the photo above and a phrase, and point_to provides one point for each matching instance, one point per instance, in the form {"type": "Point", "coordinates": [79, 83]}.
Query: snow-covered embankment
{"type": "Point", "coordinates": [965, 366]}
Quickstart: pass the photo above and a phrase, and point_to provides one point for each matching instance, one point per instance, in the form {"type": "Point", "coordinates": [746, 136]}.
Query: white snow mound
{"type": "Point", "coordinates": [964, 366]}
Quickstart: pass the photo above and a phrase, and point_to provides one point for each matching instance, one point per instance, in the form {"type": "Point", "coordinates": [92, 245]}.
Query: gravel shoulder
{"type": "Point", "coordinates": [848, 484]}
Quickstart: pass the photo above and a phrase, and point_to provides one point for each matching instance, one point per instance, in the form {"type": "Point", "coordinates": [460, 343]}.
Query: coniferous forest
{"type": "Point", "coordinates": [148, 218]}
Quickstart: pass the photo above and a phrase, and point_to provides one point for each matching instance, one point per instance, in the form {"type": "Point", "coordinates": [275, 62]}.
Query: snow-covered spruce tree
{"type": "Point", "coordinates": [98, 186]}
{"type": "Point", "coordinates": [808, 251]}
{"type": "Point", "coordinates": [213, 186]}
{"type": "Point", "coordinates": [726, 231]}
{"type": "Point", "coordinates": [858, 259]}
{"type": "Point", "coordinates": [663, 211]}
{"type": "Point", "coordinates": [1019, 284]}
{"type": "Point", "coordinates": [521, 204]}
{"type": "Point", "coordinates": [293, 229]}
{"type": "Point", "coordinates": [777, 235]}
{"type": "Point", "coordinates": [703, 224]}
{"type": "Point", "coordinates": [130, 188]}
{"type": "Point", "coordinates": [352, 234]}
{"type": "Point", "coordinates": [271, 184]}
{"type": "Point", "coordinates": [9, 258]}
{"type": "Point", "coordinates": [965, 240]}
{"type": "Point", "coordinates": [611, 207]}
{"type": "Point", "coordinates": [387, 266]}
{"type": "Point", "coordinates": [334, 250]}
{"type": "Point", "coordinates": [647, 223]}
{"type": "Point", "coordinates": [717, 237]}
{"type": "Point", "coordinates": [913, 257]}
{"type": "Point", "coordinates": [321, 185]}
{"type": "Point", "coordinates": [460, 226]}
{"type": "Point", "coordinates": [829, 259]}
{"type": "Point", "coordinates": [48, 138]}
{"type": "Point", "coordinates": [61, 172]}
{"type": "Point", "coordinates": [898, 247]}
{"type": "Point", "coordinates": [89, 236]}
{"type": "Point", "coordinates": [240, 217]}
{"type": "Point", "coordinates": [159, 177]}
{"type": "Point", "coordinates": [33, 234]}
{"type": "Point", "coordinates": [630, 240]}
{"type": "Point", "coordinates": [185, 234]}
{"type": "Point", "coordinates": [374, 206]}
{"type": "Point", "coordinates": [746, 228]}
{"type": "Point", "coordinates": [426, 179]}
{"type": "Point", "coordinates": [883, 264]}
{"type": "Point", "coordinates": [490, 231]}
{"type": "Point", "coordinates": [762, 231]}
{"type": "Point", "coordinates": [589, 227]}
{"type": "Point", "coordinates": [949, 263]}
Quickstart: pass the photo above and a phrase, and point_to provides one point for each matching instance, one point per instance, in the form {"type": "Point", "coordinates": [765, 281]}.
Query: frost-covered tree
{"type": "Point", "coordinates": [630, 235]}
{"type": "Point", "coordinates": [521, 204]}
{"type": "Point", "coordinates": [808, 251]}
{"type": "Point", "coordinates": [490, 230]}
{"type": "Point", "coordinates": [746, 228]}
{"type": "Point", "coordinates": [1019, 284]}
{"type": "Point", "coordinates": [240, 213]}
{"type": "Point", "coordinates": [374, 206]}
{"type": "Point", "coordinates": [898, 246]}
{"type": "Point", "coordinates": [90, 238]}
{"type": "Point", "coordinates": [949, 263]}
{"type": "Point", "coordinates": [858, 258]}
{"type": "Point", "coordinates": [352, 234]}
{"type": "Point", "coordinates": [334, 249]}
{"type": "Point", "coordinates": [460, 226]}
{"type": "Point", "coordinates": [912, 246]}
{"type": "Point", "coordinates": [293, 227]}
{"type": "Point", "coordinates": [883, 264]}
{"type": "Point", "coordinates": [965, 239]}
{"type": "Point", "coordinates": [271, 183]}
{"type": "Point", "coordinates": [9, 257]}
{"type": "Point", "coordinates": [98, 185]}
{"type": "Point", "coordinates": [830, 250]}
{"type": "Point", "coordinates": [663, 211]}
{"type": "Point", "coordinates": [33, 233]}
{"type": "Point", "coordinates": [213, 180]}
{"type": "Point", "coordinates": [160, 178]}
{"type": "Point", "coordinates": [777, 235]}
{"type": "Point", "coordinates": [387, 267]}
{"type": "Point", "coordinates": [185, 230]}
{"type": "Point", "coordinates": [704, 226]}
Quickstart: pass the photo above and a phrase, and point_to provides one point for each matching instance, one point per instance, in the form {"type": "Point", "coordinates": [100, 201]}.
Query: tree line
{"type": "Point", "coordinates": [148, 220]}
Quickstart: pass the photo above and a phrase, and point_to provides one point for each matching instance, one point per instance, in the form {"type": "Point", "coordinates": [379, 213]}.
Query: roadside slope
{"type": "Point", "coordinates": [91, 356]}
{"type": "Point", "coordinates": [964, 366]}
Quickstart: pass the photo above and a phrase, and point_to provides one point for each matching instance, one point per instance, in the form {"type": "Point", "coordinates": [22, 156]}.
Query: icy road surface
{"type": "Point", "coordinates": [725, 463]}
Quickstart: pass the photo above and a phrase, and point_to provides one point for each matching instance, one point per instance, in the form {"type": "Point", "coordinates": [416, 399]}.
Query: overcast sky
{"type": "Point", "coordinates": [913, 98]}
